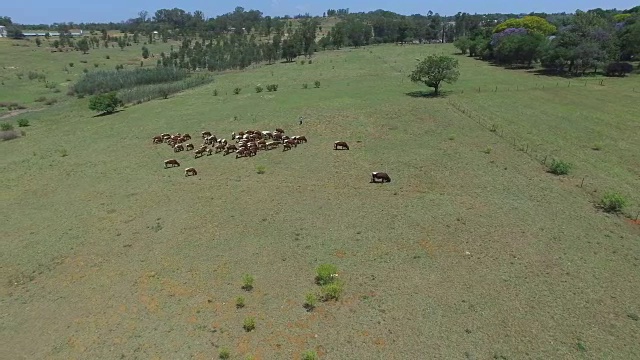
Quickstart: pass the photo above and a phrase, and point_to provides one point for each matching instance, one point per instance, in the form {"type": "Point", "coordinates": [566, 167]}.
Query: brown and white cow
{"type": "Point", "coordinates": [172, 162]}
{"type": "Point", "coordinates": [340, 144]}
{"type": "Point", "coordinates": [190, 172]}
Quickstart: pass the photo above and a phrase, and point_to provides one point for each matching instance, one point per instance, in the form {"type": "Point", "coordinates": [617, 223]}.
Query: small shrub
{"type": "Point", "coordinates": [70, 64]}
{"type": "Point", "coordinates": [559, 167]}
{"type": "Point", "coordinates": [6, 126]}
{"type": "Point", "coordinates": [613, 202]}
{"type": "Point", "coordinates": [107, 57]}
{"type": "Point", "coordinates": [597, 146]}
{"type": "Point", "coordinates": [224, 354]}
{"type": "Point", "coordinates": [272, 87]}
{"type": "Point", "coordinates": [23, 122]}
{"type": "Point", "coordinates": [80, 96]}
{"type": "Point", "coordinates": [9, 135]}
{"type": "Point", "coordinates": [41, 99]}
{"type": "Point", "coordinates": [62, 152]}
{"type": "Point", "coordinates": [105, 103]}
{"type": "Point", "coordinates": [332, 291]}
{"type": "Point", "coordinates": [239, 302]}
{"type": "Point", "coordinates": [50, 85]}
{"type": "Point", "coordinates": [83, 61]}
{"type": "Point", "coordinates": [316, 84]}
{"type": "Point", "coordinates": [301, 62]}
{"type": "Point", "coordinates": [50, 101]}
{"type": "Point", "coordinates": [249, 324]}
{"type": "Point", "coordinates": [236, 91]}
{"type": "Point", "coordinates": [310, 61]}
{"type": "Point", "coordinates": [96, 65]}
{"type": "Point", "coordinates": [310, 301]}
{"type": "Point", "coordinates": [247, 282]}
{"type": "Point", "coordinates": [305, 86]}
{"type": "Point", "coordinates": [56, 90]}
{"type": "Point", "coordinates": [493, 128]}
{"type": "Point", "coordinates": [259, 89]}
{"type": "Point", "coordinates": [260, 169]}
{"type": "Point", "coordinates": [487, 150]}
{"type": "Point", "coordinates": [326, 274]}
{"type": "Point", "coordinates": [215, 92]}
{"type": "Point", "coordinates": [141, 63]}
{"type": "Point", "coordinates": [309, 355]}
{"type": "Point", "coordinates": [618, 69]}
{"type": "Point", "coordinates": [85, 70]}
{"type": "Point", "coordinates": [452, 137]}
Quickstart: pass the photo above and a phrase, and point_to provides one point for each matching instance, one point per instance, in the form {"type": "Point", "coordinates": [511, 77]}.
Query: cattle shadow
{"type": "Point", "coordinates": [106, 114]}
{"type": "Point", "coordinates": [427, 94]}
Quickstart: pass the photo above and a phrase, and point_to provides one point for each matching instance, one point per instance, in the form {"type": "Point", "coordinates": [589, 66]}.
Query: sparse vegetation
{"type": "Point", "coordinates": [613, 202]}
{"type": "Point", "coordinates": [310, 301]}
{"type": "Point", "coordinates": [316, 84]}
{"type": "Point", "coordinates": [215, 92]}
{"type": "Point", "coordinates": [224, 354]}
{"type": "Point", "coordinates": [5, 126]}
{"type": "Point", "coordinates": [249, 324]}
{"type": "Point", "coordinates": [41, 99]}
{"type": "Point", "coordinates": [240, 302]}
{"type": "Point", "coordinates": [261, 169]}
{"type": "Point", "coordinates": [236, 91]}
{"type": "Point", "coordinates": [259, 89]}
{"type": "Point", "coordinates": [309, 355]}
{"type": "Point", "coordinates": [326, 274]}
{"type": "Point", "coordinates": [559, 167]}
{"type": "Point", "coordinates": [247, 282]}
{"type": "Point", "coordinates": [272, 87]}
{"type": "Point", "coordinates": [149, 92]}
{"type": "Point", "coordinates": [23, 122]}
{"type": "Point", "coordinates": [6, 135]}
{"type": "Point", "coordinates": [487, 150]}
{"type": "Point", "coordinates": [103, 81]}
{"type": "Point", "coordinates": [333, 290]}
{"type": "Point", "coordinates": [305, 86]}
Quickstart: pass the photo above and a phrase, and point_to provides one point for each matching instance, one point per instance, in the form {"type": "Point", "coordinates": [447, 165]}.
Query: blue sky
{"type": "Point", "coordinates": [47, 11]}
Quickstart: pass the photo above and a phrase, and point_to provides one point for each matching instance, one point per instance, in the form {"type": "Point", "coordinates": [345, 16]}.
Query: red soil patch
{"type": "Point", "coordinates": [634, 222]}
{"type": "Point", "coordinates": [340, 254]}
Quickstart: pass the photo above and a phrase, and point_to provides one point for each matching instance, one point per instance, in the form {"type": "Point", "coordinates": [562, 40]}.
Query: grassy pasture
{"type": "Point", "coordinates": [465, 254]}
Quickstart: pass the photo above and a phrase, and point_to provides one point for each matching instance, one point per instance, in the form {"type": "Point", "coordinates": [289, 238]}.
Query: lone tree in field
{"type": "Point", "coordinates": [145, 52]}
{"type": "Point", "coordinates": [83, 45]}
{"type": "Point", "coordinates": [435, 69]}
{"type": "Point", "coordinates": [105, 103]}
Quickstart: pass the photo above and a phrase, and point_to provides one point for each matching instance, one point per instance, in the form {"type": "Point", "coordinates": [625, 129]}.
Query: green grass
{"type": "Point", "coordinates": [458, 241]}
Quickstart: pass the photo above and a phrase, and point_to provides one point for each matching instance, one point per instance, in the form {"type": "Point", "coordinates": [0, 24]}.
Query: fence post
{"type": "Point", "coordinates": [545, 160]}
{"type": "Point", "coordinates": [582, 183]}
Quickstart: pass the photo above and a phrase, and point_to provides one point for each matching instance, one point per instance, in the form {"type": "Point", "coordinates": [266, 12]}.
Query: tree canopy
{"type": "Point", "coordinates": [434, 70]}
{"type": "Point", "coordinates": [532, 23]}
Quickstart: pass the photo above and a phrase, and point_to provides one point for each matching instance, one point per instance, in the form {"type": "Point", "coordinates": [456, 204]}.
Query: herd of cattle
{"type": "Point", "coordinates": [244, 144]}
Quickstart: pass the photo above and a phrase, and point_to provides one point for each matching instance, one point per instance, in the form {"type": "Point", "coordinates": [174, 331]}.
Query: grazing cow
{"type": "Point", "coordinates": [272, 144]}
{"type": "Point", "coordinates": [291, 142]}
{"type": "Point", "coordinates": [209, 151]}
{"type": "Point", "coordinates": [188, 146]}
{"type": "Point", "coordinates": [375, 176]}
{"type": "Point", "coordinates": [267, 134]}
{"type": "Point", "coordinates": [280, 130]}
{"type": "Point", "coordinates": [186, 137]}
{"type": "Point", "coordinates": [229, 149]}
{"type": "Point", "coordinates": [190, 172]}
{"type": "Point", "coordinates": [199, 152]}
{"type": "Point", "coordinates": [206, 134]}
{"type": "Point", "coordinates": [243, 152]}
{"type": "Point", "coordinates": [301, 139]}
{"type": "Point", "coordinates": [219, 147]}
{"type": "Point", "coordinates": [178, 147]}
{"type": "Point", "coordinates": [277, 136]}
{"type": "Point", "coordinates": [172, 162]}
{"type": "Point", "coordinates": [286, 146]}
{"type": "Point", "coordinates": [166, 136]}
{"type": "Point", "coordinates": [340, 144]}
{"type": "Point", "coordinates": [158, 139]}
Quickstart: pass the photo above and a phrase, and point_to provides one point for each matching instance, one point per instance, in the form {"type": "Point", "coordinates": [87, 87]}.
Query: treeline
{"type": "Point", "coordinates": [590, 41]}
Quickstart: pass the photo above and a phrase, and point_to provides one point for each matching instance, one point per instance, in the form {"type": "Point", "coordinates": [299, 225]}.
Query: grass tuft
{"type": "Point", "coordinates": [247, 282]}
{"type": "Point", "coordinates": [326, 274]}
{"type": "Point", "coordinates": [559, 167]}
{"type": "Point", "coordinates": [240, 302]}
{"type": "Point", "coordinates": [309, 355]}
{"type": "Point", "coordinates": [249, 324]}
{"type": "Point", "coordinates": [613, 202]}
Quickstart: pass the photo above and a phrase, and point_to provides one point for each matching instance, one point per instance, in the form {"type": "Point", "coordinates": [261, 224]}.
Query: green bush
{"type": "Point", "coordinates": [316, 84]}
{"type": "Point", "coordinates": [259, 89]}
{"type": "Point", "coordinates": [261, 169]}
{"type": "Point", "coordinates": [597, 146]}
{"type": "Point", "coordinates": [41, 99]}
{"type": "Point", "coordinates": [240, 302]}
{"type": "Point", "coordinates": [272, 87]}
{"type": "Point", "coordinates": [70, 64]}
{"type": "Point", "coordinates": [83, 61]}
{"type": "Point", "coordinates": [247, 282]}
{"type": "Point", "coordinates": [215, 92]}
{"type": "Point", "coordinates": [326, 274]}
{"type": "Point", "coordinates": [23, 122]}
{"type": "Point", "coordinates": [559, 167]}
{"type": "Point", "coordinates": [310, 301]}
{"type": "Point", "coordinates": [332, 291]}
{"type": "Point", "coordinates": [96, 65]}
{"type": "Point", "coordinates": [310, 61]}
{"type": "Point", "coordinates": [50, 101]}
{"type": "Point", "coordinates": [249, 324]}
{"type": "Point", "coordinates": [105, 103]}
{"type": "Point", "coordinates": [85, 70]}
{"type": "Point", "coordinates": [236, 91]}
{"type": "Point", "coordinates": [613, 202]}
{"type": "Point", "coordinates": [224, 354]}
{"type": "Point", "coordinates": [107, 57]}
{"type": "Point", "coordinates": [301, 62]}
{"type": "Point", "coordinates": [309, 355]}
{"type": "Point", "coordinates": [305, 86]}
{"type": "Point", "coordinates": [487, 150]}
{"type": "Point", "coordinates": [6, 126]}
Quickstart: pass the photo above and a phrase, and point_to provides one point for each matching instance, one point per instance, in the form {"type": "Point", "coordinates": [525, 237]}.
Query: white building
{"type": "Point", "coordinates": [3, 31]}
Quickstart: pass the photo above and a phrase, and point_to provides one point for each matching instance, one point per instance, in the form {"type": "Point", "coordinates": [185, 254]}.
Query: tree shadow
{"type": "Point", "coordinates": [427, 94]}
{"type": "Point", "coordinates": [553, 73]}
{"type": "Point", "coordinates": [107, 114]}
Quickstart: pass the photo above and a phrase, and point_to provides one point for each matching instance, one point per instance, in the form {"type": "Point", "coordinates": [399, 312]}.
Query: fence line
{"type": "Point", "coordinates": [534, 153]}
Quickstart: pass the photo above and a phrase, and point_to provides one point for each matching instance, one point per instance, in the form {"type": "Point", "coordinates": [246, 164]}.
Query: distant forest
{"type": "Point", "coordinates": [573, 43]}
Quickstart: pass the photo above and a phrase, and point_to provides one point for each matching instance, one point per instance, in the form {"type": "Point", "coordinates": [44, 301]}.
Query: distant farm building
{"type": "Point", "coordinates": [51, 33]}
{"type": "Point", "coordinates": [3, 31]}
